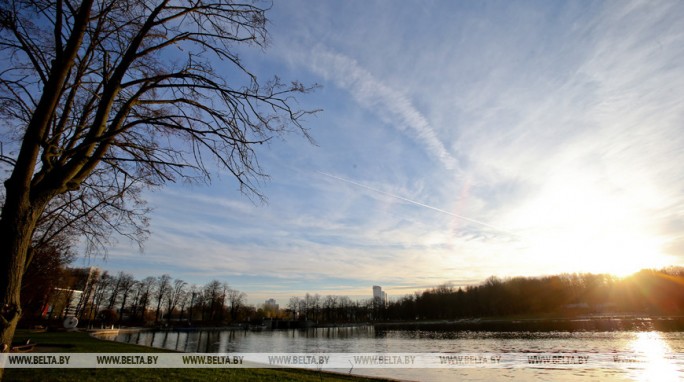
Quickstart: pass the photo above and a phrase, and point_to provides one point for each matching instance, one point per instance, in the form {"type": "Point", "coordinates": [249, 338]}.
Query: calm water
{"type": "Point", "coordinates": [655, 345]}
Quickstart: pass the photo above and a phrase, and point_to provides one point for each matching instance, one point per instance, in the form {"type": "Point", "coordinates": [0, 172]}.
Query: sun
{"type": "Point", "coordinates": [579, 225]}
{"type": "Point", "coordinates": [622, 254]}
{"type": "Point", "coordinates": [578, 250]}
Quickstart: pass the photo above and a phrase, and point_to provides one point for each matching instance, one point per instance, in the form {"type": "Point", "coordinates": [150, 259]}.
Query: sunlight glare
{"type": "Point", "coordinates": [578, 224]}
{"type": "Point", "coordinates": [654, 351]}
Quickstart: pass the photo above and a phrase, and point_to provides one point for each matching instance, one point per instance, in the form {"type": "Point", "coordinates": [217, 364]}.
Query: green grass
{"type": "Point", "coordinates": [77, 342]}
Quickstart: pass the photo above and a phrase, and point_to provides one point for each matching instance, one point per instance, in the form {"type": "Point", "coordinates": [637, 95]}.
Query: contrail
{"type": "Point", "coordinates": [417, 203]}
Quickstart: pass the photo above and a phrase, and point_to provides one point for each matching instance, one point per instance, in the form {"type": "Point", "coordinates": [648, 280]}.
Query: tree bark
{"type": "Point", "coordinates": [17, 223]}
{"type": "Point", "coordinates": [24, 203]}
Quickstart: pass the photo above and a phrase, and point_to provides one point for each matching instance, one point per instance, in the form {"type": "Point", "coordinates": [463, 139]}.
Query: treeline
{"type": "Point", "coordinates": [652, 292]}
{"type": "Point", "coordinates": [332, 309]}
{"type": "Point", "coordinates": [95, 296]}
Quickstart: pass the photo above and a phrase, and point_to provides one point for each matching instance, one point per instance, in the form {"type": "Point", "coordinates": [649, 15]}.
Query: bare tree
{"type": "Point", "coordinates": [330, 304]}
{"type": "Point", "coordinates": [193, 300]}
{"type": "Point", "coordinates": [213, 300]}
{"type": "Point", "coordinates": [102, 289]}
{"type": "Point", "coordinates": [224, 292]}
{"type": "Point", "coordinates": [293, 305]}
{"type": "Point", "coordinates": [145, 288]}
{"type": "Point", "coordinates": [90, 291]}
{"type": "Point", "coordinates": [236, 299]}
{"type": "Point", "coordinates": [103, 98]}
{"type": "Point", "coordinates": [115, 289]}
{"type": "Point", "coordinates": [175, 295]}
{"type": "Point", "coordinates": [311, 305]}
{"type": "Point", "coordinates": [182, 303]}
{"type": "Point", "coordinates": [163, 288]}
{"type": "Point", "coordinates": [346, 306]}
{"type": "Point", "coordinates": [127, 282]}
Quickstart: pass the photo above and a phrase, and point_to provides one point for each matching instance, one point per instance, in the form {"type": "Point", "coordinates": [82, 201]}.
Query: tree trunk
{"type": "Point", "coordinates": [123, 305]}
{"type": "Point", "coordinates": [158, 310]}
{"type": "Point", "coordinates": [17, 223]}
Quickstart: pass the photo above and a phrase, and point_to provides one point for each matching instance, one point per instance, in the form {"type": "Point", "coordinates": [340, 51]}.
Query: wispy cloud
{"type": "Point", "coordinates": [393, 107]}
{"type": "Point", "coordinates": [417, 203]}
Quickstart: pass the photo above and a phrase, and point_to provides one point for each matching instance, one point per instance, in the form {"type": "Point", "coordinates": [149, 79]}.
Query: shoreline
{"type": "Point", "coordinates": [569, 324]}
{"type": "Point", "coordinates": [490, 324]}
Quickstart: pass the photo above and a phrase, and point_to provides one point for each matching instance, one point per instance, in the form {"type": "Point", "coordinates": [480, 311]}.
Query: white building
{"type": "Point", "coordinates": [271, 304]}
{"type": "Point", "coordinates": [377, 292]}
{"type": "Point", "coordinates": [378, 295]}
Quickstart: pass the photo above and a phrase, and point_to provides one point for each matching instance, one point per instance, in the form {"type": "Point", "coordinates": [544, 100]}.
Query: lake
{"type": "Point", "coordinates": [645, 356]}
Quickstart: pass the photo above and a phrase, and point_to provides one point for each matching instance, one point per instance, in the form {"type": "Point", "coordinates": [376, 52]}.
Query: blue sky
{"type": "Point", "coordinates": [458, 140]}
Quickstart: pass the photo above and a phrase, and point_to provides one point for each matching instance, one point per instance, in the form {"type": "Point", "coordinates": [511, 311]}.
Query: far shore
{"type": "Point", "coordinates": [604, 322]}
{"type": "Point", "coordinates": [595, 323]}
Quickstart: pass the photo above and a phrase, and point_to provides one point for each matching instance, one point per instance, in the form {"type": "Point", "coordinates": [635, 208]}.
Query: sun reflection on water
{"type": "Point", "coordinates": [654, 351]}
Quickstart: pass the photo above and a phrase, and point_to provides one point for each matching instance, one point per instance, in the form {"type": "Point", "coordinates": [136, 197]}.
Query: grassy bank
{"type": "Point", "coordinates": [77, 342]}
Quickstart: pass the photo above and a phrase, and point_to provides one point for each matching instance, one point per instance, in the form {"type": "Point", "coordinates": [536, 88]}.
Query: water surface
{"type": "Point", "coordinates": [655, 348]}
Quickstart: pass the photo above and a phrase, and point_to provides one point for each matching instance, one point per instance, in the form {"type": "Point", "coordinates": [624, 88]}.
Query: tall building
{"type": "Point", "coordinates": [379, 296]}
{"type": "Point", "coordinates": [377, 292]}
{"type": "Point", "coordinates": [271, 308]}
{"type": "Point", "coordinates": [271, 304]}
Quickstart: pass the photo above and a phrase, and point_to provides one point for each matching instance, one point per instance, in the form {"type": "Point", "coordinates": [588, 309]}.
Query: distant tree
{"type": "Point", "coordinates": [310, 306]}
{"type": "Point", "coordinates": [127, 283]}
{"type": "Point", "coordinates": [213, 300]}
{"type": "Point", "coordinates": [223, 298]}
{"type": "Point", "coordinates": [115, 288]}
{"type": "Point", "coordinates": [345, 307]}
{"type": "Point", "coordinates": [136, 292]}
{"type": "Point", "coordinates": [101, 98]}
{"type": "Point", "coordinates": [193, 300]}
{"type": "Point", "coordinates": [101, 290]}
{"type": "Point", "coordinates": [185, 298]}
{"type": "Point", "coordinates": [145, 290]}
{"type": "Point", "coordinates": [161, 293]}
{"type": "Point", "coordinates": [329, 307]}
{"type": "Point", "coordinates": [175, 295]}
{"type": "Point", "coordinates": [293, 306]}
{"type": "Point", "coordinates": [236, 300]}
{"type": "Point", "coordinates": [92, 277]}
